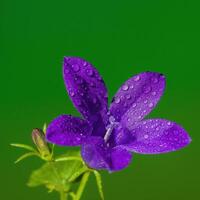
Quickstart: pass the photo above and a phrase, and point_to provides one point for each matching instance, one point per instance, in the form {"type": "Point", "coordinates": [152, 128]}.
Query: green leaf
{"type": "Point", "coordinates": [99, 183]}
{"type": "Point", "coordinates": [23, 146]}
{"type": "Point", "coordinates": [26, 155]}
{"type": "Point", "coordinates": [56, 175]}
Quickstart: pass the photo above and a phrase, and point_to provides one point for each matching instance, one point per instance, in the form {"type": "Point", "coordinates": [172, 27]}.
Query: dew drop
{"type": "Point", "coordinates": [66, 71]}
{"type": "Point", "coordinates": [76, 67]}
{"type": "Point", "coordinates": [89, 72]}
{"type": "Point", "coordinates": [99, 78]}
{"type": "Point", "coordinates": [78, 102]}
{"type": "Point", "coordinates": [136, 78]}
{"type": "Point", "coordinates": [125, 87]}
{"type": "Point", "coordinates": [117, 100]}
{"type": "Point", "coordinates": [85, 63]}
{"type": "Point", "coordinates": [146, 136]}
{"type": "Point", "coordinates": [150, 105]}
{"type": "Point", "coordinates": [147, 89]}
{"type": "Point", "coordinates": [154, 93]}
{"type": "Point", "coordinates": [168, 123]}
{"type": "Point", "coordinates": [71, 93]}
{"type": "Point", "coordinates": [176, 132]}
{"type": "Point", "coordinates": [134, 105]}
{"type": "Point", "coordinates": [92, 84]}
{"type": "Point", "coordinates": [154, 79]}
{"type": "Point", "coordinates": [128, 96]}
{"type": "Point", "coordinates": [157, 129]}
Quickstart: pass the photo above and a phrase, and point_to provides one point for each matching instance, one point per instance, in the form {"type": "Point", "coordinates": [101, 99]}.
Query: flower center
{"type": "Point", "coordinates": [110, 128]}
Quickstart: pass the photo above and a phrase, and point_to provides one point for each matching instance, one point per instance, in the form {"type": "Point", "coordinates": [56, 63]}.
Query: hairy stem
{"type": "Point", "coordinates": [82, 185]}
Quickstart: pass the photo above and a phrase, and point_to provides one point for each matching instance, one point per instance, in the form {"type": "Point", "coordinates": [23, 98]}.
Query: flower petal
{"type": "Point", "coordinates": [156, 136]}
{"type": "Point", "coordinates": [67, 130]}
{"type": "Point", "coordinates": [87, 89]}
{"type": "Point", "coordinates": [99, 156]}
{"type": "Point", "coordinates": [120, 158]}
{"type": "Point", "coordinates": [95, 153]}
{"type": "Point", "coordinates": [137, 96]}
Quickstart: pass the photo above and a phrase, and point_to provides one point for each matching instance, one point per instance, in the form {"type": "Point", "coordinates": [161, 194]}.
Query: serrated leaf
{"type": "Point", "coordinates": [99, 183]}
{"type": "Point", "coordinates": [23, 146]}
{"type": "Point", "coordinates": [55, 175]}
{"type": "Point", "coordinates": [26, 155]}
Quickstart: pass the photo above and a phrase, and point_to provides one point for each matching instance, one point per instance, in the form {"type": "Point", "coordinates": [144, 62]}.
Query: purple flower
{"type": "Point", "coordinates": [108, 136]}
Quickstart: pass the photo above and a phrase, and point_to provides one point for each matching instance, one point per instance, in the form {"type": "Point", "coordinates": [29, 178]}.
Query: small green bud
{"type": "Point", "coordinates": [38, 138]}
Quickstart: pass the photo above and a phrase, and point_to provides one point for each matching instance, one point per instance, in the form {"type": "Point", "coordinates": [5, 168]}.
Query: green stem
{"type": "Point", "coordinates": [63, 195]}
{"type": "Point", "coordinates": [82, 185]}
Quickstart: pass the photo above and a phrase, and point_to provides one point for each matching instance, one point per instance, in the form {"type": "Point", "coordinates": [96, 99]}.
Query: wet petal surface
{"type": "Point", "coordinates": [86, 89]}
{"type": "Point", "coordinates": [137, 97]}
{"type": "Point", "coordinates": [66, 130]}
{"type": "Point", "coordinates": [156, 136]}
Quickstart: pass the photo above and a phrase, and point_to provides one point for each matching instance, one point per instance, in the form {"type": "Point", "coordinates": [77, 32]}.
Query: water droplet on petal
{"type": "Point", "coordinates": [147, 89]}
{"type": "Point", "coordinates": [154, 93]}
{"type": "Point", "coordinates": [157, 129]}
{"type": "Point", "coordinates": [145, 102]}
{"type": "Point", "coordinates": [146, 136]}
{"type": "Point", "coordinates": [85, 63]}
{"type": "Point", "coordinates": [125, 87]}
{"type": "Point", "coordinates": [92, 84]}
{"type": "Point", "coordinates": [128, 96]}
{"type": "Point", "coordinates": [66, 71]}
{"type": "Point", "coordinates": [89, 72]}
{"type": "Point", "coordinates": [78, 102]}
{"type": "Point", "coordinates": [117, 100]}
{"type": "Point", "coordinates": [99, 78]}
{"type": "Point", "coordinates": [76, 67]}
{"type": "Point", "coordinates": [168, 123]}
{"type": "Point", "coordinates": [150, 105]}
{"type": "Point", "coordinates": [134, 105]}
{"type": "Point", "coordinates": [71, 93]}
{"type": "Point", "coordinates": [154, 79]}
{"type": "Point", "coordinates": [136, 78]}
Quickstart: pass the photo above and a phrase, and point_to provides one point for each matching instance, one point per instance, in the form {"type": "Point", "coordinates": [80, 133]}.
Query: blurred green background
{"type": "Point", "coordinates": [121, 38]}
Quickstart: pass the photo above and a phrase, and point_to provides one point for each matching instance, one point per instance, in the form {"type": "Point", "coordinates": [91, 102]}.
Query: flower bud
{"type": "Point", "coordinates": [38, 138]}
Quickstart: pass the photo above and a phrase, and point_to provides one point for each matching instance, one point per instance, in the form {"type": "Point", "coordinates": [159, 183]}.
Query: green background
{"type": "Point", "coordinates": [121, 38]}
